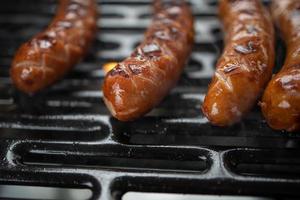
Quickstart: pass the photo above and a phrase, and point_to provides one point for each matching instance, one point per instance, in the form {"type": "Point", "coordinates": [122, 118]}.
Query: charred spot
{"type": "Point", "coordinates": [118, 70]}
{"type": "Point", "coordinates": [297, 119]}
{"type": "Point", "coordinates": [290, 85]}
{"type": "Point", "coordinates": [250, 47]}
{"type": "Point", "coordinates": [77, 8]}
{"type": "Point", "coordinates": [145, 51]}
{"type": "Point", "coordinates": [173, 12]}
{"type": "Point", "coordinates": [296, 66]}
{"type": "Point", "coordinates": [26, 76]}
{"type": "Point", "coordinates": [290, 81]}
{"type": "Point", "coordinates": [138, 54]}
{"type": "Point", "coordinates": [230, 68]}
{"type": "Point", "coordinates": [295, 13]}
{"type": "Point", "coordinates": [262, 66]}
{"type": "Point", "coordinates": [248, 12]}
{"type": "Point", "coordinates": [173, 16]}
{"type": "Point", "coordinates": [81, 3]}
{"type": "Point", "coordinates": [162, 34]}
{"type": "Point", "coordinates": [235, 1]}
{"type": "Point", "coordinates": [251, 29]}
{"type": "Point", "coordinates": [151, 50]}
{"type": "Point", "coordinates": [171, 3]}
{"type": "Point", "coordinates": [169, 33]}
{"type": "Point", "coordinates": [159, 16]}
{"type": "Point", "coordinates": [65, 24]}
{"type": "Point", "coordinates": [44, 41]}
{"type": "Point", "coordinates": [165, 18]}
{"type": "Point", "coordinates": [296, 53]}
{"type": "Point", "coordinates": [74, 6]}
{"type": "Point", "coordinates": [135, 69]}
{"type": "Point", "coordinates": [46, 37]}
{"type": "Point", "coordinates": [174, 30]}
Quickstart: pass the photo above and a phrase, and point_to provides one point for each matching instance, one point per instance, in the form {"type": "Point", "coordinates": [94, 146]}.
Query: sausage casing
{"type": "Point", "coordinates": [281, 100]}
{"type": "Point", "coordinates": [141, 81]}
{"type": "Point", "coordinates": [245, 65]}
{"type": "Point", "coordinates": [50, 54]}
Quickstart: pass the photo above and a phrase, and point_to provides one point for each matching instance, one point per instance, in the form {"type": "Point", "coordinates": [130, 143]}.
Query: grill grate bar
{"type": "Point", "coordinates": [65, 136]}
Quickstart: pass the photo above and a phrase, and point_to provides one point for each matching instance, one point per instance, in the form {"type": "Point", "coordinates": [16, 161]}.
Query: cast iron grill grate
{"type": "Point", "coordinates": [65, 137]}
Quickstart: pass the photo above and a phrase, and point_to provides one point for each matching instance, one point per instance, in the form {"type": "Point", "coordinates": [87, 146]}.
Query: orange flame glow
{"type": "Point", "coordinates": [109, 66]}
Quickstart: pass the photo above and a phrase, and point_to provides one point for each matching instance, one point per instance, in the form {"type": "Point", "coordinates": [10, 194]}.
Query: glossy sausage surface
{"type": "Point", "coordinates": [141, 81]}
{"type": "Point", "coordinates": [246, 64]}
{"type": "Point", "coordinates": [281, 100]}
{"type": "Point", "coordinates": [52, 53]}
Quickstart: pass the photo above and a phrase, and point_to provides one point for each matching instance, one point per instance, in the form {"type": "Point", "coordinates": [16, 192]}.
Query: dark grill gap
{"type": "Point", "coordinates": [264, 163]}
{"type": "Point", "coordinates": [65, 137]}
{"type": "Point", "coordinates": [49, 193]}
{"type": "Point", "coordinates": [158, 160]}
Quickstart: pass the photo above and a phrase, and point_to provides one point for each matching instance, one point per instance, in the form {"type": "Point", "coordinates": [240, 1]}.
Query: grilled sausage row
{"type": "Point", "coordinates": [52, 53]}
{"type": "Point", "coordinates": [246, 64]}
{"type": "Point", "coordinates": [281, 100]}
{"type": "Point", "coordinates": [141, 81]}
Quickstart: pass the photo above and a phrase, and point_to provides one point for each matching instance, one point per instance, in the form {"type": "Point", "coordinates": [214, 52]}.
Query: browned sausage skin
{"type": "Point", "coordinates": [50, 54]}
{"type": "Point", "coordinates": [245, 65]}
{"type": "Point", "coordinates": [281, 100]}
{"type": "Point", "coordinates": [141, 81]}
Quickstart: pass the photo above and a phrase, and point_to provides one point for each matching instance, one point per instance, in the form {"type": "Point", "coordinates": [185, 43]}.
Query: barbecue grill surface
{"type": "Point", "coordinates": [65, 137]}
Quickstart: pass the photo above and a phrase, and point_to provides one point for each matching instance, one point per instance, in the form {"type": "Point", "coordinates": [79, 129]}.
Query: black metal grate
{"type": "Point", "coordinates": [65, 137]}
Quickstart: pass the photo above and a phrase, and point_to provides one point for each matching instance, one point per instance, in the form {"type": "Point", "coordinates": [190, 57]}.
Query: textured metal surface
{"type": "Point", "coordinates": [65, 137]}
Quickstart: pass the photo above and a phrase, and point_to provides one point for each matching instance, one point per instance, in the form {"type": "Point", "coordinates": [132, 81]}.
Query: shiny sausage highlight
{"type": "Point", "coordinates": [281, 100]}
{"type": "Point", "coordinates": [246, 64]}
{"type": "Point", "coordinates": [141, 81]}
{"type": "Point", "coordinates": [52, 53]}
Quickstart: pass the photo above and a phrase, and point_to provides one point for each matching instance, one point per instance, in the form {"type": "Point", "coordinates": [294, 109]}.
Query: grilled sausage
{"type": "Point", "coordinates": [141, 81]}
{"type": "Point", "coordinates": [281, 100]}
{"type": "Point", "coordinates": [50, 54]}
{"type": "Point", "coordinates": [245, 65]}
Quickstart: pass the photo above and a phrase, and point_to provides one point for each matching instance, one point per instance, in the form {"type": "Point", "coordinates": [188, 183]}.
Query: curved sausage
{"type": "Point", "coordinates": [52, 53]}
{"type": "Point", "coordinates": [281, 100]}
{"type": "Point", "coordinates": [141, 81]}
{"type": "Point", "coordinates": [245, 65]}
